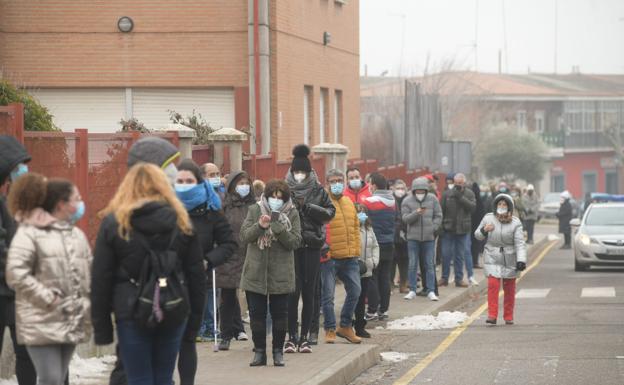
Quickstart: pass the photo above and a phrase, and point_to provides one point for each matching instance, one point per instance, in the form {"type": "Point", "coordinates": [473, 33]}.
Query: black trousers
{"type": "Point", "coordinates": [401, 261]}
{"type": "Point", "coordinates": [360, 309]}
{"type": "Point", "coordinates": [307, 265]}
{"type": "Point", "coordinates": [278, 306]}
{"type": "Point", "coordinates": [476, 247]}
{"type": "Point", "coordinates": [530, 228]}
{"type": "Point", "coordinates": [24, 369]}
{"type": "Point", "coordinates": [567, 238]}
{"type": "Point", "coordinates": [187, 362]}
{"type": "Point", "coordinates": [231, 322]}
{"type": "Point", "coordinates": [380, 286]}
{"type": "Point", "coordinates": [316, 317]}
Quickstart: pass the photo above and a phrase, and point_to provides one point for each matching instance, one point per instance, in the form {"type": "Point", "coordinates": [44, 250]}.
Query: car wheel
{"type": "Point", "coordinates": [579, 266]}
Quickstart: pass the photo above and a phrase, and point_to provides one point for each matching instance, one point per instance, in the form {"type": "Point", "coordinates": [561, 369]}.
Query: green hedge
{"type": "Point", "coordinates": [36, 116]}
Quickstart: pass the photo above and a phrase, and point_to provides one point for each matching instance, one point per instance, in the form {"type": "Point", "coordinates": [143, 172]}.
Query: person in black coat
{"type": "Point", "coordinates": [216, 238]}
{"type": "Point", "coordinates": [315, 211]}
{"type": "Point", "coordinates": [476, 246]}
{"type": "Point", "coordinates": [144, 206]}
{"type": "Point", "coordinates": [13, 160]}
{"type": "Point", "coordinates": [565, 216]}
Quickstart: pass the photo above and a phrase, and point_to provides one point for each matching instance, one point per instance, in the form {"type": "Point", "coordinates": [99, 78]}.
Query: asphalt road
{"type": "Point", "coordinates": [569, 330]}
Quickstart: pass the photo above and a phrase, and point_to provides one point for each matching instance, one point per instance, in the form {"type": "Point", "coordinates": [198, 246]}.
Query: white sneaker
{"type": "Point", "coordinates": [410, 295]}
{"type": "Point", "coordinates": [432, 296]}
{"type": "Point", "coordinates": [242, 336]}
{"type": "Point", "coordinates": [473, 281]}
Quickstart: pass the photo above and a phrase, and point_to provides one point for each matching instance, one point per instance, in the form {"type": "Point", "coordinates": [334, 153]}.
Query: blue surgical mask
{"type": "Point", "coordinates": [20, 170]}
{"type": "Point", "coordinates": [80, 210]}
{"type": "Point", "coordinates": [243, 190]}
{"type": "Point", "coordinates": [337, 188]}
{"type": "Point", "coordinates": [183, 187]}
{"type": "Point", "coordinates": [215, 182]}
{"type": "Point", "coordinates": [362, 217]}
{"type": "Point", "coordinates": [355, 184]}
{"type": "Point", "coordinates": [275, 204]}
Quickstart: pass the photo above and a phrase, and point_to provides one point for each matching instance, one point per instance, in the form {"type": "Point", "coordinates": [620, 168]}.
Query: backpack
{"type": "Point", "coordinates": [162, 299]}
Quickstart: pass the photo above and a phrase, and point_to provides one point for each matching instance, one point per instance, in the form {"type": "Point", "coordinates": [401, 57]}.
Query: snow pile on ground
{"type": "Point", "coordinates": [395, 356]}
{"type": "Point", "coordinates": [89, 367]}
{"type": "Point", "coordinates": [553, 237]}
{"type": "Point", "coordinates": [10, 381]}
{"type": "Point", "coordinates": [444, 320]}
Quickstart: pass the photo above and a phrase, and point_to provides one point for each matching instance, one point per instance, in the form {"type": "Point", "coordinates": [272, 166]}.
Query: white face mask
{"type": "Point", "coordinates": [501, 210]}
{"type": "Point", "coordinates": [300, 177]}
{"type": "Point", "coordinates": [399, 193]}
{"type": "Point", "coordinates": [420, 197]}
{"type": "Point", "coordinates": [451, 186]}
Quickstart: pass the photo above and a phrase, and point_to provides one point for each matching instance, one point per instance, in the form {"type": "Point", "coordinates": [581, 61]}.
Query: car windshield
{"type": "Point", "coordinates": [605, 216]}
{"type": "Point", "coordinates": [551, 197]}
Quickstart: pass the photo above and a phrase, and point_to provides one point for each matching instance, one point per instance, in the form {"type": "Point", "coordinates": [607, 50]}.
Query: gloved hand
{"type": "Point", "coordinates": [520, 266]}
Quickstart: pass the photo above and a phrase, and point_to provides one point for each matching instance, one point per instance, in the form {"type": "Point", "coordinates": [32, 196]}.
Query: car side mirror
{"type": "Point", "coordinates": [575, 222]}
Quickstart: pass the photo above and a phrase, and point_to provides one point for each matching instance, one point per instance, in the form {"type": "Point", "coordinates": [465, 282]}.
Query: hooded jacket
{"type": "Point", "coordinates": [382, 211]}
{"type": "Point", "coordinates": [116, 260]}
{"type": "Point", "coordinates": [7, 232]}
{"type": "Point", "coordinates": [421, 227]}
{"type": "Point", "coordinates": [504, 246]}
{"type": "Point", "coordinates": [235, 210]}
{"type": "Point", "coordinates": [49, 258]}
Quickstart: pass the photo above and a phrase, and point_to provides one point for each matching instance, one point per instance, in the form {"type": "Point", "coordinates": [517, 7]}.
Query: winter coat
{"type": "Point", "coordinates": [50, 259]}
{"type": "Point", "coordinates": [480, 210]}
{"type": "Point", "coordinates": [457, 209]}
{"type": "Point", "coordinates": [272, 270]}
{"type": "Point", "coordinates": [504, 246]}
{"type": "Point", "coordinates": [357, 196]}
{"type": "Point", "coordinates": [12, 153]}
{"type": "Point", "coordinates": [381, 211]}
{"type": "Point", "coordinates": [421, 227]}
{"type": "Point", "coordinates": [235, 209]}
{"type": "Point", "coordinates": [400, 228]}
{"type": "Point", "coordinates": [343, 232]}
{"type": "Point", "coordinates": [7, 232]}
{"type": "Point", "coordinates": [315, 211]}
{"type": "Point", "coordinates": [116, 260]}
{"type": "Point", "coordinates": [565, 216]}
{"type": "Point", "coordinates": [370, 250]}
{"type": "Point", "coordinates": [531, 206]}
{"type": "Point", "coordinates": [215, 236]}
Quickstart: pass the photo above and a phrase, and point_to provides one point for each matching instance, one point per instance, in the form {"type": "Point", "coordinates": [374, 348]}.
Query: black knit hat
{"type": "Point", "coordinates": [300, 161]}
{"type": "Point", "coordinates": [12, 153]}
{"type": "Point", "coordinates": [154, 150]}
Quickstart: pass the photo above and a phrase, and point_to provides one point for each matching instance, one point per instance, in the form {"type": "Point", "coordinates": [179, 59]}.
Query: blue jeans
{"type": "Point", "coordinates": [148, 356]}
{"type": "Point", "coordinates": [417, 250]}
{"type": "Point", "coordinates": [456, 247]}
{"type": "Point", "coordinates": [207, 327]}
{"type": "Point", "coordinates": [348, 270]}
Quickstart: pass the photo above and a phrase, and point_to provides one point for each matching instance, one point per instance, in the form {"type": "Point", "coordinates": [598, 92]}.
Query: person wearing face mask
{"type": "Point", "coordinates": [370, 257]}
{"type": "Point", "coordinates": [476, 246]}
{"type": "Point", "coordinates": [565, 216]}
{"type": "Point", "coordinates": [218, 245]}
{"type": "Point", "coordinates": [422, 214]}
{"type": "Point", "coordinates": [271, 232]}
{"type": "Point", "coordinates": [52, 301]}
{"type": "Point", "coordinates": [531, 205]}
{"type": "Point", "coordinates": [356, 189]}
{"type": "Point", "coordinates": [504, 255]}
{"type": "Point", "coordinates": [212, 175]}
{"type": "Point", "coordinates": [400, 241]}
{"type": "Point", "coordinates": [238, 199]}
{"type": "Point", "coordinates": [13, 163]}
{"type": "Point", "coordinates": [315, 211]}
{"type": "Point", "coordinates": [343, 238]}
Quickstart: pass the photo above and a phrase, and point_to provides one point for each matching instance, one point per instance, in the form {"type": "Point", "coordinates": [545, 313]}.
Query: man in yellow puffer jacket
{"type": "Point", "coordinates": [343, 238]}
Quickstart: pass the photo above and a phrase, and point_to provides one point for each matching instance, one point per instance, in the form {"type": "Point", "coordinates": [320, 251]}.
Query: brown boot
{"type": "Point", "coordinates": [330, 336]}
{"type": "Point", "coordinates": [348, 334]}
{"type": "Point", "coordinates": [403, 288]}
{"type": "Point", "coordinates": [443, 282]}
{"type": "Point", "coordinates": [461, 284]}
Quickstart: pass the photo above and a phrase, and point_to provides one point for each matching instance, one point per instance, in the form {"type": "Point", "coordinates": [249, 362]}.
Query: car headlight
{"type": "Point", "coordinates": [586, 239]}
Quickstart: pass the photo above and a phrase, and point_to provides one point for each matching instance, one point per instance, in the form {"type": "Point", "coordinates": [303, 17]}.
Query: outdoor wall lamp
{"type": "Point", "coordinates": [326, 38]}
{"type": "Point", "coordinates": [125, 24]}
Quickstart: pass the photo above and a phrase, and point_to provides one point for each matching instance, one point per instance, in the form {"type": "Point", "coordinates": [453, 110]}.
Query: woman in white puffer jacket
{"type": "Point", "coordinates": [504, 255]}
{"type": "Point", "coordinates": [370, 256]}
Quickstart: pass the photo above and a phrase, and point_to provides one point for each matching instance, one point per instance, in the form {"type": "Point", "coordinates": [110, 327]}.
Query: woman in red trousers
{"type": "Point", "coordinates": [504, 255]}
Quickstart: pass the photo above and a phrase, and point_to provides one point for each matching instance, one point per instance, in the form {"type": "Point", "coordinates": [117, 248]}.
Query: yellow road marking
{"type": "Point", "coordinates": [448, 341]}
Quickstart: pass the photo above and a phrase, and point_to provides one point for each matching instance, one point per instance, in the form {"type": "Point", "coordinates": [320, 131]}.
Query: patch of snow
{"type": "Point", "coordinates": [553, 237]}
{"type": "Point", "coordinates": [379, 328]}
{"type": "Point", "coordinates": [10, 381]}
{"type": "Point", "coordinates": [395, 356]}
{"type": "Point", "coordinates": [93, 367]}
{"type": "Point", "coordinates": [444, 320]}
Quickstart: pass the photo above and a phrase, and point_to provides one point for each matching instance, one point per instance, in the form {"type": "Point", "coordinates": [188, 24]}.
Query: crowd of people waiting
{"type": "Point", "coordinates": [177, 241]}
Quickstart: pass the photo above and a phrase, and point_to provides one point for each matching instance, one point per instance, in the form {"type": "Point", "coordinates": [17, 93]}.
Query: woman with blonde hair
{"type": "Point", "coordinates": [143, 220]}
{"type": "Point", "coordinates": [48, 266]}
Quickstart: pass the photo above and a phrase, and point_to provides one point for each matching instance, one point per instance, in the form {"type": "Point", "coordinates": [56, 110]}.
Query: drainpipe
{"type": "Point", "coordinates": [259, 75]}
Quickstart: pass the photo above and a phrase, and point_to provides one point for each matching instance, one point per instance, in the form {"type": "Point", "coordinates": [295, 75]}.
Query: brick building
{"type": "Point", "coordinates": [187, 55]}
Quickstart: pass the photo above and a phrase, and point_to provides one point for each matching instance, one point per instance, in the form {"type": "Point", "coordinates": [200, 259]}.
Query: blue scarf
{"type": "Point", "coordinates": [199, 194]}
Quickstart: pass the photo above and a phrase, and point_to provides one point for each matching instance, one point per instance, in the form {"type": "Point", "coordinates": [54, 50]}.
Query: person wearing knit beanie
{"type": "Point", "coordinates": [155, 150]}
{"type": "Point", "coordinates": [301, 163]}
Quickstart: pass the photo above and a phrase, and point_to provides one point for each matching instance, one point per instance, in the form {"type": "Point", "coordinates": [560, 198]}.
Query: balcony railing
{"type": "Point", "coordinates": [575, 139]}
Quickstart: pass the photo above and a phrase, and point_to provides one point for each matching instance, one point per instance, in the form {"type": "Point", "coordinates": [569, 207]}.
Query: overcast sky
{"type": "Point", "coordinates": [590, 34]}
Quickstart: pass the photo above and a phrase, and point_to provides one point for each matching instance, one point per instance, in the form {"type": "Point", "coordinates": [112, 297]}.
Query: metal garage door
{"type": "Point", "coordinates": [151, 105]}
{"type": "Point", "coordinates": [98, 110]}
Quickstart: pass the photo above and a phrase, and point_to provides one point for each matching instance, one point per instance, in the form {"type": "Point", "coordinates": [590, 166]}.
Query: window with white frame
{"type": "Point", "coordinates": [521, 119]}
{"type": "Point", "coordinates": [307, 113]}
{"type": "Point", "coordinates": [337, 116]}
{"type": "Point", "coordinates": [323, 116]}
{"type": "Point", "coordinates": [540, 122]}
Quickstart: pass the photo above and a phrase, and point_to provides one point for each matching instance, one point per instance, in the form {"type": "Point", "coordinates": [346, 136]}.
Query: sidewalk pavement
{"type": "Point", "coordinates": [336, 364]}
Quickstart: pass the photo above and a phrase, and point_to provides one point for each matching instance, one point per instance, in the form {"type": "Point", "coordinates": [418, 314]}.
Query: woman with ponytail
{"type": "Point", "coordinates": [48, 266]}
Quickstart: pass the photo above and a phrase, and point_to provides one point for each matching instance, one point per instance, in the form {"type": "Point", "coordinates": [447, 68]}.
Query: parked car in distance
{"type": "Point", "coordinates": [599, 238]}
{"type": "Point", "coordinates": [550, 206]}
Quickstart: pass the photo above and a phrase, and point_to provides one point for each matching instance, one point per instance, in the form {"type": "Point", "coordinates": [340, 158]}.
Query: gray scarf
{"type": "Point", "coordinates": [264, 242]}
{"type": "Point", "coordinates": [300, 190]}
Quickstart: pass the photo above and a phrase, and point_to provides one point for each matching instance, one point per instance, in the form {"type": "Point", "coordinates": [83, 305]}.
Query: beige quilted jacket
{"type": "Point", "coordinates": [50, 258]}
